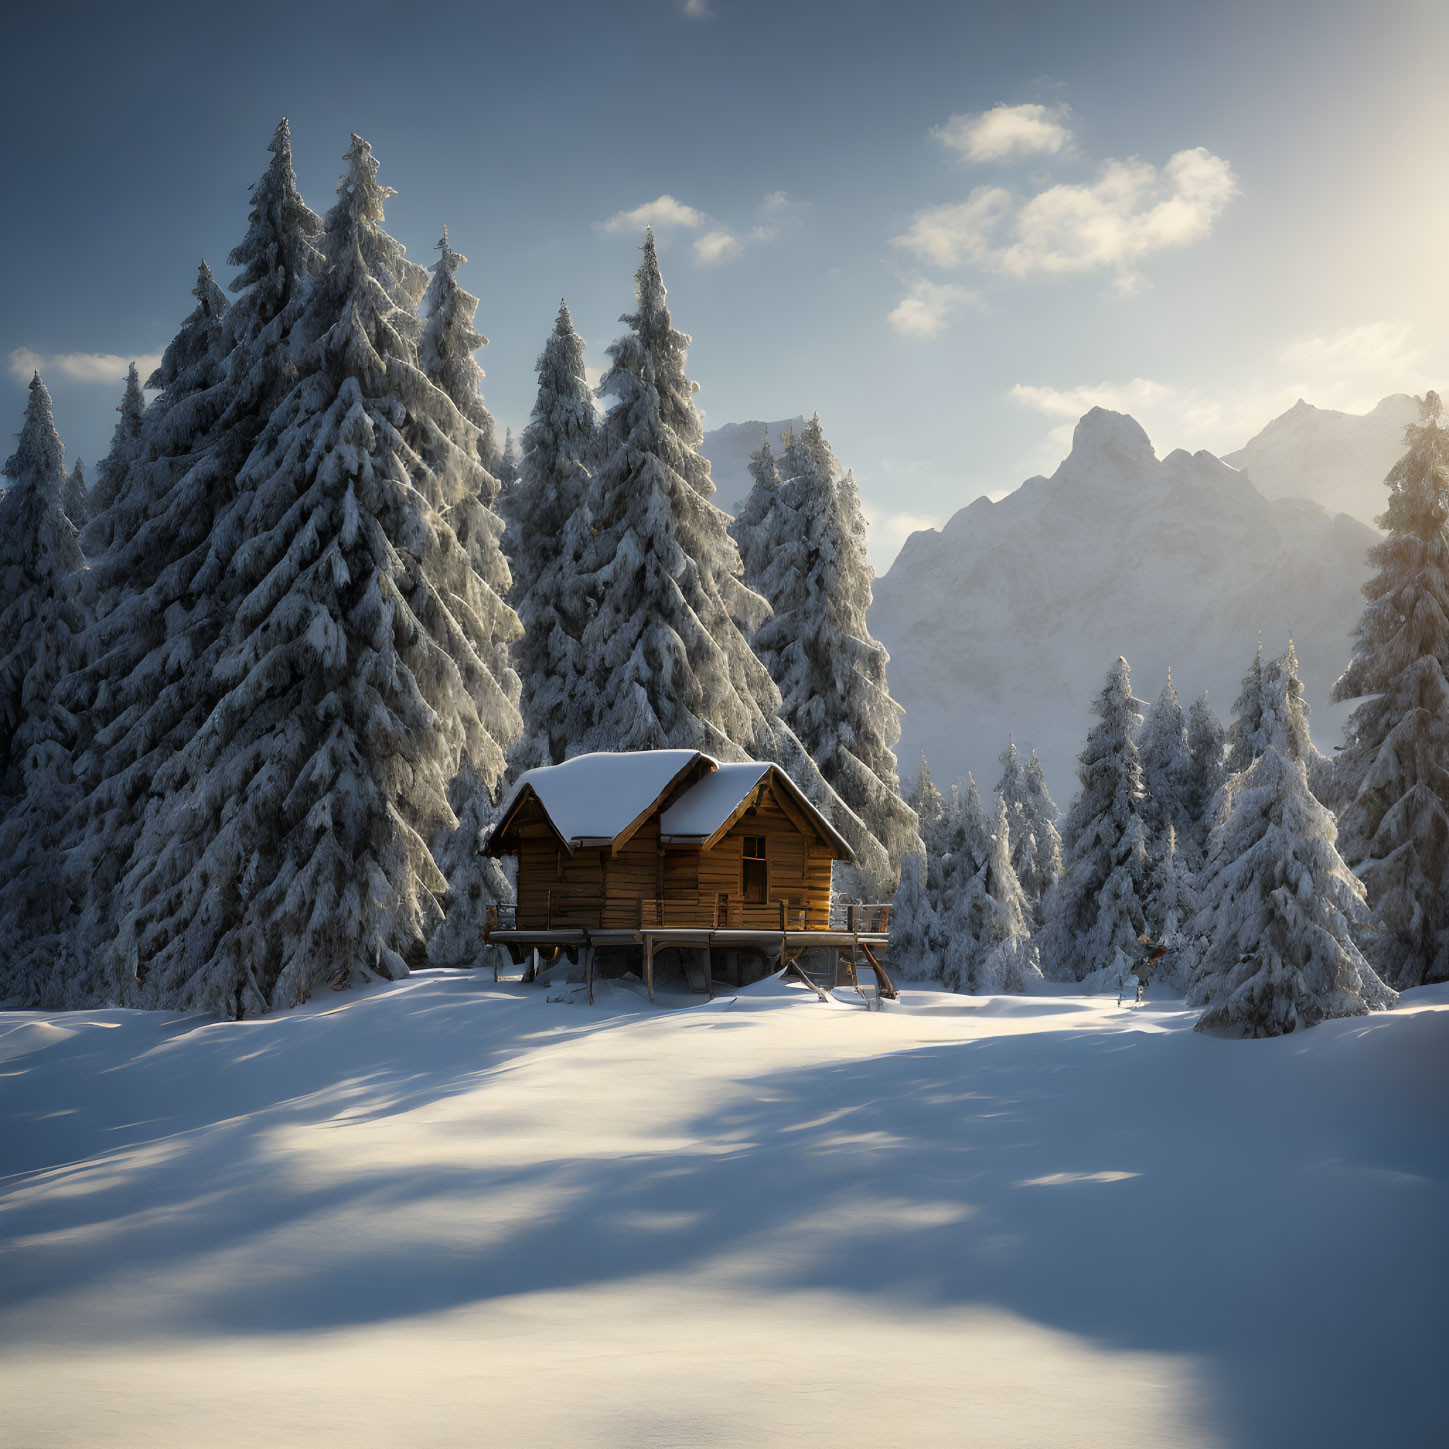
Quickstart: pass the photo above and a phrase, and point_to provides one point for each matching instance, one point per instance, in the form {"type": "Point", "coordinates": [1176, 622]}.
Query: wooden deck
{"type": "Point", "coordinates": [859, 930]}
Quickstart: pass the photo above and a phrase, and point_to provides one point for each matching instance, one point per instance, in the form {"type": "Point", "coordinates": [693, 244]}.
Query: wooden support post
{"type": "Point", "coordinates": [649, 965]}
{"type": "Point", "coordinates": [589, 972]}
{"type": "Point", "coordinates": [884, 985]}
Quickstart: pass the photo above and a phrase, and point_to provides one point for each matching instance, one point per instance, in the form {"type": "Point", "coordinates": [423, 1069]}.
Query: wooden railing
{"type": "Point", "coordinates": [702, 911]}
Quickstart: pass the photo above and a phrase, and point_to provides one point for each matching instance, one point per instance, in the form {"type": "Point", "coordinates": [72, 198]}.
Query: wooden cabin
{"type": "Point", "coordinates": [670, 847]}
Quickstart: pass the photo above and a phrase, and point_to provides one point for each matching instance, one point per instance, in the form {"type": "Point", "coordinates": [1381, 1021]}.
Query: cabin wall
{"type": "Point", "coordinates": [596, 888]}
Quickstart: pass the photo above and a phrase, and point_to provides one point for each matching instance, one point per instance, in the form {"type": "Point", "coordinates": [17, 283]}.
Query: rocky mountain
{"type": "Point", "coordinates": [1005, 621]}
{"type": "Point", "coordinates": [1336, 459]}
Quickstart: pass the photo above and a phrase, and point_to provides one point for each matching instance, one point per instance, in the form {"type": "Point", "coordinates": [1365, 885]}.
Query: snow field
{"type": "Point", "coordinates": [449, 1212]}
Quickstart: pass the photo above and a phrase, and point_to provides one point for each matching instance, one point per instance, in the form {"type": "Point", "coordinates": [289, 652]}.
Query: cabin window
{"type": "Point", "coordinates": [754, 869]}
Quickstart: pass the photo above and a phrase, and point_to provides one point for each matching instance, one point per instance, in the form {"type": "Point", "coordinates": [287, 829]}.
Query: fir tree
{"type": "Point", "coordinates": [456, 449]}
{"type": "Point", "coordinates": [509, 461]}
{"type": "Point", "coordinates": [447, 349]}
{"type": "Point", "coordinates": [988, 939]}
{"type": "Point", "coordinates": [40, 619]}
{"type": "Point", "coordinates": [1395, 764]}
{"type": "Point", "coordinates": [665, 648]}
{"type": "Point", "coordinates": [291, 849]}
{"type": "Point", "coordinates": [930, 808]}
{"type": "Point", "coordinates": [1207, 743]}
{"type": "Point", "coordinates": [1097, 913]}
{"type": "Point", "coordinates": [76, 500]}
{"type": "Point", "coordinates": [1168, 775]}
{"type": "Point", "coordinates": [917, 935]}
{"type": "Point", "coordinates": [546, 533]}
{"type": "Point", "coordinates": [1032, 836]}
{"type": "Point", "coordinates": [830, 672]}
{"type": "Point", "coordinates": [1277, 904]}
{"type": "Point", "coordinates": [1246, 739]}
{"type": "Point", "coordinates": [114, 472]}
{"type": "Point", "coordinates": [159, 570]}
{"type": "Point", "coordinates": [757, 526]}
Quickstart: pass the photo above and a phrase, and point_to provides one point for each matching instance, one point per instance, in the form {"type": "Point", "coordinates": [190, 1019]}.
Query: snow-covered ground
{"type": "Point", "coordinates": [450, 1212]}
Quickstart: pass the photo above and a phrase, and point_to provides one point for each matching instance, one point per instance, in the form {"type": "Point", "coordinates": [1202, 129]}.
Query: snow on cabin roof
{"type": "Point", "coordinates": [709, 802]}
{"type": "Point", "coordinates": [595, 798]}
{"type": "Point", "coordinates": [599, 796]}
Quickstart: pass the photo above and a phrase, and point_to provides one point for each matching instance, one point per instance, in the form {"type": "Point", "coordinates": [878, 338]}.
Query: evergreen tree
{"type": "Point", "coordinates": [1395, 764]}
{"type": "Point", "coordinates": [75, 499]}
{"type": "Point", "coordinates": [917, 935]}
{"type": "Point", "coordinates": [1032, 837]}
{"type": "Point", "coordinates": [1277, 903]}
{"type": "Point", "coordinates": [1207, 744]}
{"type": "Point", "coordinates": [446, 352]}
{"type": "Point", "coordinates": [1097, 913]}
{"type": "Point", "coordinates": [290, 851]}
{"type": "Point", "coordinates": [757, 527]}
{"type": "Point", "coordinates": [930, 808]}
{"type": "Point", "coordinates": [1171, 906]}
{"type": "Point", "coordinates": [112, 475]}
{"type": "Point", "coordinates": [546, 533]}
{"type": "Point", "coordinates": [40, 619]}
{"type": "Point", "coordinates": [665, 648]}
{"type": "Point", "coordinates": [1246, 738]}
{"type": "Point", "coordinates": [988, 940]}
{"type": "Point", "coordinates": [509, 461]}
{"type": "Point", "coordinates": [159, 568]}
{"type": "Point", "coordinates": [830, 671]}
{"type": "Point", "coordinates": [456, 449]}
{"type": "Point", "coordinates": [1168, 772]}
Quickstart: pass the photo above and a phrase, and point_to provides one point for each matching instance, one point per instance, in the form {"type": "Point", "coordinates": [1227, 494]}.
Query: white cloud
{"type": "Point", "coordinates": [718, 243]}
{"type": "Point", "coordinates": [1379, 350]}
{"type": "Point", "coordinates": [715, 247]}
{"type": "Point", "coordinates": [1006, 133]}
{"type": "Point", "coordinates": [927, 306]}
{"type": "Point", "coordinates": [79, 366]}
{"type": "Point", "coordinates": [698, 10]}
{"type": "Point", "coordinates": [1130, 211]}
{"type": "Point", "coordinates": [663, 213]}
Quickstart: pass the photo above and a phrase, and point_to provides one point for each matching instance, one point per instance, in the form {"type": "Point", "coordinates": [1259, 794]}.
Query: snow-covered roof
{"type": "Point", "coordinates": [709, 803]}
{"type": "Point", "coordinates": [599, 796]}
{"type": "Point", "coordinates": [592, 799]}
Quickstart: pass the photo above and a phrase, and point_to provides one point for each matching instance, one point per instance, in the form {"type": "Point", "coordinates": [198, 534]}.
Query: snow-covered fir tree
{"type": "Point", "coordinates": [917, 935]}
{"type": "Point", "coordinates": [1395, 764]}
{"type": "Point", "coordinates": [1172, 904]}
{"type": "Point", "coordinates": [830, 671]}
{"type": "Point", "coordinates": [161, 547]}
{"type": "Point", "coordinates": [929, 806]}
{"type": "Point", "coordinates": [290, 852]}
{"type": "Point", "coordinates": [140, 676]}
{"type": "Point", "coordinates": [1097, 912]}
{"type": "Point", "coordinates": [666, 654]}
{"type": "Point", "coordinates": [546, 532]}
{"type": "Point", "coordinates": [456, 451]}
{"type": "Point", "coordinates": [41, 618]}
{"type": "Point", "coordinates": [447, 349]}
{"type": "Point", "coordinates": [756, 526]}
{"type": "Point", "coordinates": [1246, 739]}
{"type": "Point", "coordinates": [1031, 820]}
{"type": "Point", "coordinates": [509, 461]}
{"type": "Point", "coordinates": [1277, 904]}
{"type": "Point", "coordinates": [112, 476]}
{"type": "Point", "coordinates": [76, 499]}
{"type": "Point", "coordinates": [988, 938]}
{"type": "Point", "coordinates": [1168, 771]}
{"type": "Point", "coordinates": [1207, 743]}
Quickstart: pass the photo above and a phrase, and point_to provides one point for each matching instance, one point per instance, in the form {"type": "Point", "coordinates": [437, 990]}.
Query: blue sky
{"type": "Point", "coordinates": [947, 227]}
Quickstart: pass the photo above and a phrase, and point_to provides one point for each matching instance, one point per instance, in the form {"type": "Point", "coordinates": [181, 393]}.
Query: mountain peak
{"type": "Point", "coordinates": [1114, 437]}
